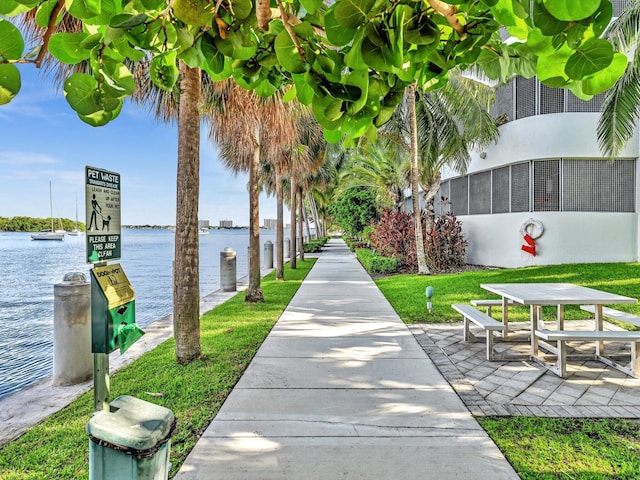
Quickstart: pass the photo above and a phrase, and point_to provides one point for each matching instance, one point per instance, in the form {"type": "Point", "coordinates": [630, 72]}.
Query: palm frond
{"type": "Point", "coordinates": [623, 31]}
{"type": "Point", "coordinates": [619, 113]}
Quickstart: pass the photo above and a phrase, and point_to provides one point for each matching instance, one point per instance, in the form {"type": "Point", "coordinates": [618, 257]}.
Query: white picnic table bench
{"type": "Point", "coordinates": [484, 321]}
{"type": "Point", "coordinates": [536, 295]}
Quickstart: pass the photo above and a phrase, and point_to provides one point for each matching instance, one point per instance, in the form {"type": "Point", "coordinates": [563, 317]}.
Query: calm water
{"type": "Point", "coordinates": [31, 268]}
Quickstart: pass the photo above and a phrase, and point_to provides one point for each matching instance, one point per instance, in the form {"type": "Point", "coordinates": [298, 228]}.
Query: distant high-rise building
{"type": "Point", "coordinates": [204, 223]}
{"type": "Point", "coordinates": [270, 223]}
{"type": "Point", "coordinates": [226, 223]}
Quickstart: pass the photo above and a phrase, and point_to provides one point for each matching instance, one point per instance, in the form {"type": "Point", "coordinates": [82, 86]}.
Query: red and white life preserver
{"type": "Point", "coordinates": [531, 230]}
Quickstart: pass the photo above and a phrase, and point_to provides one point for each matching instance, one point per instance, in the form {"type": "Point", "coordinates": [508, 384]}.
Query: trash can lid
{"type": "Point", "coordinates": [132, 424]}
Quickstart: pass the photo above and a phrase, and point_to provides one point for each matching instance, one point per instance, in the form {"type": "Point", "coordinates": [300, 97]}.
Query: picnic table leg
{"type": "Point", "coordinates": [505, 316]}
{"type": "Point", "coordinates": [561, 364]}
{"type": "Point", "coordinates": [635, 358]}
{"type": "Point", "coordinates": [599, 328]}
{"type": "Point", "coordinates": [560, 322]}
{"type": "Point", "coordinates": [534, 327]}
{"type": "Point", "coordinates": [560, 325]}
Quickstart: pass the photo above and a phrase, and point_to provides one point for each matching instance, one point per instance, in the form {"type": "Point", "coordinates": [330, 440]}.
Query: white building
{"type": "Point", "coordinates": [546, 170]}
{"type": "Point", "coordinates": [270, 223]}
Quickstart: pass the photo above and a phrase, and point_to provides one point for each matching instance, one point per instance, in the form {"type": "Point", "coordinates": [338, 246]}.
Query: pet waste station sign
{"type": "Point", "coordinates": [102, 215]}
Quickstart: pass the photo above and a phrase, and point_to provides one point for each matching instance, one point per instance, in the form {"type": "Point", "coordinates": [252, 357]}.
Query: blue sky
{"type": "Point", "coordinates": [42, 140]}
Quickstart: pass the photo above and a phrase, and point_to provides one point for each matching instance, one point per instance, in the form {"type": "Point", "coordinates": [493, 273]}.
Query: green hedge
{"type": "Point", "coordinates": [375, 263]}
{"type": "Point", "coordinates": [315, 245]}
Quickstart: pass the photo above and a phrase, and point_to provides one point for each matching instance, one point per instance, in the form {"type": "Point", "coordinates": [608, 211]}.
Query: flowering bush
{"type": "Point", "coordinates": [394, 236]}
{"type": "Point", "coordinates": [446, 246]}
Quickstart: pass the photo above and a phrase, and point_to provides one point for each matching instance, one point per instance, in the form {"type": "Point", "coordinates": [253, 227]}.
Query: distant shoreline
{"type": "Point", "coordinates": [171, 227]}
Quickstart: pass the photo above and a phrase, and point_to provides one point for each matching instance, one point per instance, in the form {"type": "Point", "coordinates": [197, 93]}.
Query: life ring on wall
{"type": "Point", "coordinates": [532, 228]}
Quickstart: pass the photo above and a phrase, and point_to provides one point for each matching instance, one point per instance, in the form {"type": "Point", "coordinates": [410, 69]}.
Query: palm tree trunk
{"type": "Point", "coordinates": [429, 198]}
{"type": "Point", "coordinates": [254, 292]}
{"type": "Point", "coordinates": [415, 179]}
{"type": "Point", "coordinates": [300, 218]}
{"type": "Point", "coordinates": [292, 233]}
{"type": "Point", "coordinates": [304, 201]}
{"type": "Point", "coordinates": [279, 228]}
{"type": "Point", "coordinates": [316, 218]}
{"type": "Point", "coordinates": [186, 279]}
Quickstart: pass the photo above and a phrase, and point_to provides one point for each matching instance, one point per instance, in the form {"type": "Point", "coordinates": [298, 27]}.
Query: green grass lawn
{"type": "Point", "coordinates": [231, 334]}
{"type": "Point", "coordinates": [538, 448]}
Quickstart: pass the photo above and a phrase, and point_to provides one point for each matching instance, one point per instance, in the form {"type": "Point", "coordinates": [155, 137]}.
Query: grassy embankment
{"type": "Point", "coordinates": [230, 336]}
{"type": "Point", "coordinates": [538, 448]}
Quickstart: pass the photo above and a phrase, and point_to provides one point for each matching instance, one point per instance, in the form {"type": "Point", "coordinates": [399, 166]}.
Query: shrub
{"type": "Point", "coordinates": [446, 246]}
{"type": "Point", "coordinates": [315, 245]}
{"type": "Point", "coordinates": [374, 263]}
{"type": "Point", "coordinates": [354, 210]}
{"type": "Point", "coordinates": [393, 236]}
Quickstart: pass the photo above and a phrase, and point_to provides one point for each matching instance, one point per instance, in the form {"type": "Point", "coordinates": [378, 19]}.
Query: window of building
{"type": "Point", "coordinates": [551, 100]}
{"type": "Point", "coordinates": [520, 187]}
{"type": "Point", "coordinates": [480, 193]}
{"type": "Point", "coordinates": [441, 202]}
{"type": "Point", "coordinates": [500, 190]}
{"type": "Point", "coordinates": [546, 185]}
{"type": "Point", "coordinates": [598, 185]}
{"type": "Point", "coordinates": [459, 196]}
{"type": "Point", "coordinates": [525, 97]}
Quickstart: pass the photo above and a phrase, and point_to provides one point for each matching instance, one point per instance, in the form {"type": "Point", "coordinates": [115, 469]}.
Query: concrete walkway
{"type": "Point", "coordinates": [341, 389]}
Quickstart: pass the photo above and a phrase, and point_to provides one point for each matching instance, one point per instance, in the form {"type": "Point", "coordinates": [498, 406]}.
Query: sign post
{"type": "Point", "coordinates": [102, 215]}
{"type": "Point", "coordinates": [112, 296]}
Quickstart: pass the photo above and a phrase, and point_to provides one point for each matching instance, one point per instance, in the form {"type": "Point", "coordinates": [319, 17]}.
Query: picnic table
{"type": "Point", "coordinates": [536, 295]}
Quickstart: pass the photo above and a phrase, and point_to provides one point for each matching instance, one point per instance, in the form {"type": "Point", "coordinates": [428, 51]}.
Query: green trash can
{"type": "Point", "coordinates": [131, 441]}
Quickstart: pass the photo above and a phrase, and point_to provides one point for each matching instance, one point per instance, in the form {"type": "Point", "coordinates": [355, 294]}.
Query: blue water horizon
{"type": "Point", "coordinates": [31, 269]}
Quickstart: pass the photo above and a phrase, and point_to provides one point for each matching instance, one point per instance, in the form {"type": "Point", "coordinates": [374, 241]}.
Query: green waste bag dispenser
{"type": "Point", "coordinates": [113, 318]}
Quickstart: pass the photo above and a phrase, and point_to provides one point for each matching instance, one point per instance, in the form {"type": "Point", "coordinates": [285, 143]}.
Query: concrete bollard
{"type": "Point", "coordinates": [287, 248]}
{"type": "Point", "coordinates": [72, 358]}
{"type": "Point", "coordinates": [268, 254]}
{"type": "Point", "coordinates": [228, 270]}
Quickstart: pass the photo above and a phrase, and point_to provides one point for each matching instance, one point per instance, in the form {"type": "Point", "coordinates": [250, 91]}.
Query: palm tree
{"type": "Point", "coordinates": [249, 130]}
{"type": "Point", "coordinates": [186, 277]}
{"type": "Point", "coordinates": [621, 106]}
{"type": "Point", "coordinates": [441, 126]}
{"type": "Point", "coordinates": [308, 158]}
{"type": "Point", "coordinates": [382, 167]}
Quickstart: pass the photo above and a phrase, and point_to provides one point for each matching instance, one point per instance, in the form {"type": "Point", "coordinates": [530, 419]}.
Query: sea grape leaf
{"type": "Point", "coordinates": [352, 13]}
{"type": "Point", "coordinates": [571, 10]}
{"type": "Point", "coordinates": [67, 47]}
{"type": "Point", "coordinates": [605, 79]}
{"type": "Point", "coordinates": [11, 42]}
{"type": "Point", "coordinates": [287, 53]}
{"type": "Point", "coordinates": [9, 82]}
{"type": "Point", "coordinates": [592, 56]}
{"type": "Point", "coordinates": [81, 92]}
{"type": "Point", "coordinates": [83, 9]}
{"type": "Point", "coordinates": [213, 57]}
{"type": "Point", "coordinates": [336, 33]}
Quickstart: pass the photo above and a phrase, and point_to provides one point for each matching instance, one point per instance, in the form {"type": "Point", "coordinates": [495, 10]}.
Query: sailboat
{"type": "Point", "coordinates": [48, 234]}
{"type": "Point", "coordinates": [75, 232]}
